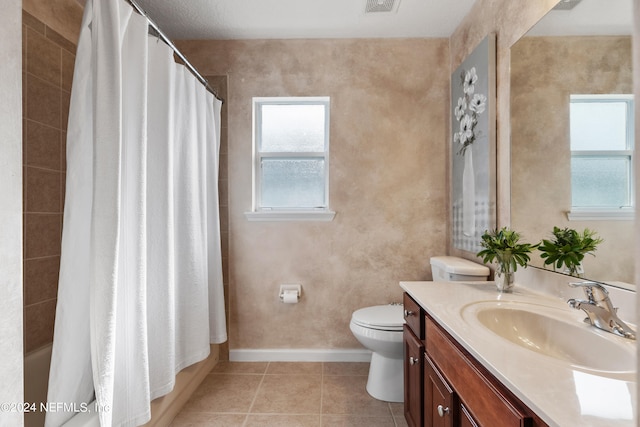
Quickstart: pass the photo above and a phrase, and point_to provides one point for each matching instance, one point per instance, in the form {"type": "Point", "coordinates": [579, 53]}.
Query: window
{"type": "Point", "coordinates": [291, 159]}
{"type": "Point", "coordinates": [601, 132]}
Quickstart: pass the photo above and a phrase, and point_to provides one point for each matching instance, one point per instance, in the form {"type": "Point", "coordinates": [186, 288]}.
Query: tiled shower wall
{"type": "Point", "coordinates": [47, 71]}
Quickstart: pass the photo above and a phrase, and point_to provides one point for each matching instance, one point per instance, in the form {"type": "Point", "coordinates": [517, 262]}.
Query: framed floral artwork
{"type": "Point", "coordinates": [473, 146]}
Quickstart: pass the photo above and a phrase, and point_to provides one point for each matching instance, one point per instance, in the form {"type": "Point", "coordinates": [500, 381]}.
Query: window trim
{"type": "Point", "coordinates": [593, 213]}
{"type": "Point", "coordinates": [259, 213]}
{"type": "Point", "coordinates": [602, 214]}
{"type": "Point", "coordinates": [293, 215]}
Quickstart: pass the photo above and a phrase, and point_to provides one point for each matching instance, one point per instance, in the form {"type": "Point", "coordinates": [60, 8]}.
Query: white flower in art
{"type": "Point", "coordinates": [460, 108]}
{"type": "Point", "coordinates": [478, 103]}
{"type": "Point", "coordinates": [467, 110]}
{"type": "Point", "coordinates": [470, 79]}
{"type": "Point", "coordinates": [466, 129]}
{"type": "Point", "coordinates": [461, 138]}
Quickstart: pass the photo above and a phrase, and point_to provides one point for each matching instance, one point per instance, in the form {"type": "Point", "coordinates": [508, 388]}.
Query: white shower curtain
{"type": "Point", "coordinates": [140, 293]}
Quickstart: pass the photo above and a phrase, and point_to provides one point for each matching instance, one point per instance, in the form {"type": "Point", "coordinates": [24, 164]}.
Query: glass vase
{"type": "Point", "coordinates": [574, 270]}
{"type": "Point", "coordinates": [504, 279]}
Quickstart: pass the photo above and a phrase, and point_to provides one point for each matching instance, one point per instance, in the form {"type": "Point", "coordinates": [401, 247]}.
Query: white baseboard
{"type": "Point", "coordinates": [299, 355]}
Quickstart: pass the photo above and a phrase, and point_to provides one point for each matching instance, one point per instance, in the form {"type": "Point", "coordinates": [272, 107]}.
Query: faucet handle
{"type": "Point", "coordinates": [589, 286]}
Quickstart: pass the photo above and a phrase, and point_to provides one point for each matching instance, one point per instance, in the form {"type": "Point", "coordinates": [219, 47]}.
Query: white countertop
{"type": "Point", "coordinates": [560, 393]}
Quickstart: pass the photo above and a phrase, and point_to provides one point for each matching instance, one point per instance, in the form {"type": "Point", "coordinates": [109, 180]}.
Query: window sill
{"type": "Point", "coordinates": [601, 215]}
{"type": "Point", "coordinates": [290, 216]}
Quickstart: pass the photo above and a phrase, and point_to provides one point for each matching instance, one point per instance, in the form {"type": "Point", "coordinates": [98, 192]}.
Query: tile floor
{"type": "Point", "coordinates": [288, 394]}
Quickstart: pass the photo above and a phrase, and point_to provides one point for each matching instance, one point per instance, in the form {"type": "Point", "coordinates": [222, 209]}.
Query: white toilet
{"type": "Point", "coordinates": [454, 269]}
{"type": "Point", "coordinates": [379, 328]}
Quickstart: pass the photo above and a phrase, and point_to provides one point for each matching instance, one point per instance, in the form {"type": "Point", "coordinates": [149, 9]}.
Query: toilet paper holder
{"type": "Point", "coordinates": [290, 289]}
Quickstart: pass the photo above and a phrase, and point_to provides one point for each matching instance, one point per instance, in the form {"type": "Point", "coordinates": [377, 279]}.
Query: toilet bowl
{"type": "Point", "coordinates": [379, 329]}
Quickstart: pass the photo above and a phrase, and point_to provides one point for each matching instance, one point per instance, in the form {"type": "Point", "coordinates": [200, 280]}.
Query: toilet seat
{"type": "Point", "coordinates": [382, 317]}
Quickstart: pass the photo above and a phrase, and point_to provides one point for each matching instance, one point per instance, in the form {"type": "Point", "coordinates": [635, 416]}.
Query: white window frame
{"type": "Point", "coordinates": [604, 213]}
{"type": "Point", "coordinates": [260, 213]}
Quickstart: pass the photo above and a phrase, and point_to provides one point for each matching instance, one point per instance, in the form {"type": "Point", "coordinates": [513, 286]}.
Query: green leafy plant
{"type": "Point", "coordinates": [504, 247]}
{"type": "Point", "coordinates": [568, 248]}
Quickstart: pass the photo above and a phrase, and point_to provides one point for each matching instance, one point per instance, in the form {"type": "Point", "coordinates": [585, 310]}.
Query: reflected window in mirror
{"type": "Point", "coordinates": [601, 139]}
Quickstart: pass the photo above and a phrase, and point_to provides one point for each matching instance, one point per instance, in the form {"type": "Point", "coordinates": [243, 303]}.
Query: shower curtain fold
{"type": "Point", "coordinates": [140, 292]}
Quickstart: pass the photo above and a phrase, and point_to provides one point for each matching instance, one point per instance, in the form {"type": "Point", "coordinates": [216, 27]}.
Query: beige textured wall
{"type": "Point", "coordinates": [388, 185]}
{"type": "Point", "coordinates": [509, 20]}
{"type": "Point", "coordinates": [545, 72]}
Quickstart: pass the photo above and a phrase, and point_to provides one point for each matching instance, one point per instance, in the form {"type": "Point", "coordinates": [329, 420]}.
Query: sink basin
{"type": "Point", "coordinates": [554, 333]}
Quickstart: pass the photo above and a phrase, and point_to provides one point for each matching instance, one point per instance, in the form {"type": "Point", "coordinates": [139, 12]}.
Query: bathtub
{"type": "Point", "coordinates": [36, 381]}
{"type": "Point", "coordinates": [163, 409]}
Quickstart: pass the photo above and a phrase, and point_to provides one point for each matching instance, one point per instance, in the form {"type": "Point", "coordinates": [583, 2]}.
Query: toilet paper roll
{"type": "Point", "coordinates": [290, 297]}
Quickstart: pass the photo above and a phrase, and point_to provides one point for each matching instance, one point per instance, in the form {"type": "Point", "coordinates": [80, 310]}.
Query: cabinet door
{"type": "Point", "coordinates": [466, 420]}
{"type": "Point", "coordinates": [439, 399]}
{"type": "Point", "coordinates": [413, 374]}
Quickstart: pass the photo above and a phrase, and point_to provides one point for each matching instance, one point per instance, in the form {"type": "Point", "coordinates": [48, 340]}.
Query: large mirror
{"type": "Point", "coordinates": [583, 50]}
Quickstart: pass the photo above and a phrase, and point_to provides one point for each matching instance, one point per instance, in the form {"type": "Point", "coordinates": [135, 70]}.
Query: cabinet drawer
{"type": "Point", "coordinates": [487, 400]}
{"type": "Point", "coordinates": [413, 316]}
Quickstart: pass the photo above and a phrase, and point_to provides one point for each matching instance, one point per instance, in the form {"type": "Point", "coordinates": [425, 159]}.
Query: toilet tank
{"type": "Point", "coordinates": [454, 269]}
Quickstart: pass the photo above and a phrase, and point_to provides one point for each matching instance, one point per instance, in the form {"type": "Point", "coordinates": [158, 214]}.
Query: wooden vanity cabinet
{"type": "Point", "coordinates": [446, 387]}
{"type": "Point", "coordinates": [479, 398]}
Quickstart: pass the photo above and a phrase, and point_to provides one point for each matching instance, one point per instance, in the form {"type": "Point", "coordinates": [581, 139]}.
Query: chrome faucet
{"type": "Point", "coordinates": [600, 311]}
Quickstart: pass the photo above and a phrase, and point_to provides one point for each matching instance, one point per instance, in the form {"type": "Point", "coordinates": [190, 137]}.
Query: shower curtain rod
{"type": "Point", "coordinates": [168, 41]}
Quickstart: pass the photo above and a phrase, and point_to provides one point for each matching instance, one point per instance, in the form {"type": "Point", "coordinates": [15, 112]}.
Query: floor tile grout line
{"type": "Point", "coordinates": [276, 414]}
{"type": "Point", "coordinates": [255, 396]}
{"type": "Point", "coordinates": [393, 418]}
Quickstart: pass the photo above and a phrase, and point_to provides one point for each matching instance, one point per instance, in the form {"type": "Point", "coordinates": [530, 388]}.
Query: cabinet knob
{"type": "Point", "coordinates": [442, 411]}
{"type": "Point", "coordinates": [408, 313]}
{"type": "Point", "coordinates": [413, 360]}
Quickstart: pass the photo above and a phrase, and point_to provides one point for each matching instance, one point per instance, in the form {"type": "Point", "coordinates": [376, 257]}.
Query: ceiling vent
{"type": "Point", "coordinates": [566, 4]}
{"type": "Point", "coordinates": [374, 6]}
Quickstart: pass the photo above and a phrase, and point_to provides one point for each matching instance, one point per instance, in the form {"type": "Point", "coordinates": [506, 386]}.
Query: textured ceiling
{"type": "Point", "coordinates": [283, 19]}
{"type": "Point", "coordinates": [277, 19]}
